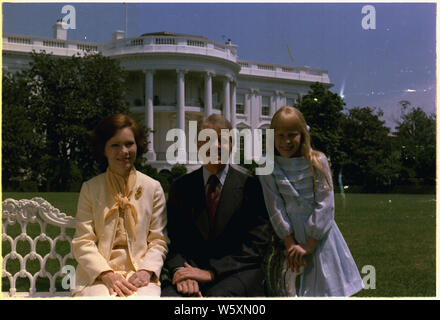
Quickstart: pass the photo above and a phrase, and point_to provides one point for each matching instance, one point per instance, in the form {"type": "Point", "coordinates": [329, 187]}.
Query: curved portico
{"type": "Point", "coordinates": [174, 82]}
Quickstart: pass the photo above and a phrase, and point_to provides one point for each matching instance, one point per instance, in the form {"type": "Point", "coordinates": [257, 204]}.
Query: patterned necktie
{"type": "Point", "coordinates": [212, 197]}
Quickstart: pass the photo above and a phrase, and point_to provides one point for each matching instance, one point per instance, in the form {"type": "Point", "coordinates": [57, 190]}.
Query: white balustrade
{"type": "Point", "coordinates": [166, 43]}
{"type": "Point", "coordinates": [283, 72]}
{"type": "Point", "coordinates": [24, 213]}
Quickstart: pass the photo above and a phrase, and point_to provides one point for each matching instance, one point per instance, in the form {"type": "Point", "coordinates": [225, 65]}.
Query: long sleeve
{"type": "Point", "coordinates": [157, 239]}
{"type": "Point", "coordinates": [275, 207]}
{"type": "Point", "coordinates": [322, 217]}
{"type": "Point", "coordinates": [84, 245]}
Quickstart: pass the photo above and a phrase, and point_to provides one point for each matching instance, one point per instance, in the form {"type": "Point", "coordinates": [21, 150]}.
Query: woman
{"type": "Point", "coordinates": [120, 241]}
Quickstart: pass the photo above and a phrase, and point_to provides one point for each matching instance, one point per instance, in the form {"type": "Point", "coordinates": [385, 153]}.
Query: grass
{"type": "Point", "coordinates": [65, 201]}
{"type": "Point", "coordinates": [393, 233]}
{"type": "Point", "coordinates": [396, 234]}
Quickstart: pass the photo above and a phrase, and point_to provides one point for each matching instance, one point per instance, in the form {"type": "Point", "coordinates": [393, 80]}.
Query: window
{"type": "Point", "coordinates": [239, 106]}
{"type": "Point", "coordinates": [241, 147]}
{"type": "Point", "coordinates": [216, 102]}
{"type": "Point", "coordinates": [290, 101]}
{"type": "Point", "coordinates": [265, 106]}
{"type": "Point", "coordinates": [244, 142]}
{"type": "Point", "coordinates": [264, 141]}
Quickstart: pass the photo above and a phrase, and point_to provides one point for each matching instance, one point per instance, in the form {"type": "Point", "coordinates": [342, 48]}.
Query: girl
{"type": "Point", "coordinates": [299, 198]}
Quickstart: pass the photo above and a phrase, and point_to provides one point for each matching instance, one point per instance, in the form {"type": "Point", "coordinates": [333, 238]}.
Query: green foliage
{"type": "Point", "coordinates": [152, 172]}
{"type": "Point", "coordinates": [370, 160]}
{"type": "Point", "coordinates": [178, 170]}
{"type": "Point", "coordinates": [416, 138]}
{"type": "Point", "coordinates": [273, 264]}
{"type": "Point", "coordinates": [146, 168]}
{"type": "Point", "coordinates": [322, 110]}
{"type": "Point", "coordinates": [22, 144]}
{"type": "Point", "coordinates": [52, 107]}
{"type": "Point", "coordinates": [165, 177]}
{"type": "Point", "coordinates": [360, 147]}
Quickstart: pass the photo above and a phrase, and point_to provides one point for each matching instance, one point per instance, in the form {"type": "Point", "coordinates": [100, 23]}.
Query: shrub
{"type": "Point", "coordinates": [178, 170]}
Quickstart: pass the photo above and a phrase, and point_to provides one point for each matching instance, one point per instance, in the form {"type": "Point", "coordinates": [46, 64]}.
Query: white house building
{"type": "Point", "coordinates": [176, 78]}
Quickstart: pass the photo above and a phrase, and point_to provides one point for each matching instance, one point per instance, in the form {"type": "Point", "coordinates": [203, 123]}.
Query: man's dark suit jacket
{"type": "Point", "coordinates": [240, 232]}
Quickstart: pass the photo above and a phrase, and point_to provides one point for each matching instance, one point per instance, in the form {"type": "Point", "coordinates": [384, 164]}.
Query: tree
{"type": "Point", "coordinates": [370, 162]}
{"type": "Point", "coordinates": [322, 110]}
{"type": "Point", "coordinates": [416, 136]}
{"type": "Point", "coordinates": [63, 99]}
{"type": "Point", "coordinates": [22, 144]}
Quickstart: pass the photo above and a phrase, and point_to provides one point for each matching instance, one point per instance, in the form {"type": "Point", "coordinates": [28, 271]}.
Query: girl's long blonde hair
{"type": "Point", "coordinates": [297, 122]}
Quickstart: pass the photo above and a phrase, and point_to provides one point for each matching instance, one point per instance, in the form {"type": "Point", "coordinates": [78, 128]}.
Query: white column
{"type": "Point", "coordinates": [208, 93]}
{"type": "Point", "coordinates": [247, 98]}
{"type": "Point", "coordinates": [181, 99]}
{"type": "Point", "coordinates": [149, 114]}
{"type": "Point", "coordinates": [180, 112]}
{"type": "Point", "coordinates": [281, 101]}
{"type": "Point", "coordinates": [283, 98]}
{"type": "Point", "coordinates": [226, 99]}
{"type": "Point", "coordinates": [277, 100]}
{"type": "Point", "coordinates": [273, 104]}
{"type": "Point", "coordinates": [233, 104]}
{"type": "Point", "coordinates": [254, 108]}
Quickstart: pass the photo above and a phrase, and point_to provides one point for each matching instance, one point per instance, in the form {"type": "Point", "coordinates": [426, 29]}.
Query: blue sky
{"type": "Point", "coordinates": [375, 68]}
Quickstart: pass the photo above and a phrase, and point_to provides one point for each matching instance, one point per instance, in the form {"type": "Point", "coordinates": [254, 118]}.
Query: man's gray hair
{"type": "Point", "coordinates": [214, 119]}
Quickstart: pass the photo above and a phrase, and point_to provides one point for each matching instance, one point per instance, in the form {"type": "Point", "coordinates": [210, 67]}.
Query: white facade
{"type": "Point", "coordinates": [176, 78]}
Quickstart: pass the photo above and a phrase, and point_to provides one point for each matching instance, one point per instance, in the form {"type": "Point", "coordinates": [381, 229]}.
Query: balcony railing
{"type": "Point", "coordinates": [86, 47]}
{"type": "Point", "coordinates": [284, 72]}
{"type": "Point", "coordinates": [265, 67]}
{"type": "Point", "coordinates": [166, 44]}
{"type": "Point", "coordinates": [54, 46]}
{"type": "Point", "coordinates": [20, 40]}
{"type": "Point", "coordinates": [196, 43]}
{"type": "Point", "coordinates": [169, 43]}
{"type": "Point", "coordinates": [137, 42]}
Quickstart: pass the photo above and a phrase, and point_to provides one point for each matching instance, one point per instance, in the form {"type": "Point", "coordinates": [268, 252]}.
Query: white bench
{"type": "Point", "coordinates": [27, 212]}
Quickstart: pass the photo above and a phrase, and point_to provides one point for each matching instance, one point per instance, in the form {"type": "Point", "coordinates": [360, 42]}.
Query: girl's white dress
{"type": "Point", "coordinates": [294, 208]}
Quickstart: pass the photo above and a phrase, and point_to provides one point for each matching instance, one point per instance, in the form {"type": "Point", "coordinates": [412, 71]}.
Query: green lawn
{"type": "Point", "coordinates": [395, 234]}
{"type": "Point", "coordinates": [65, 201]}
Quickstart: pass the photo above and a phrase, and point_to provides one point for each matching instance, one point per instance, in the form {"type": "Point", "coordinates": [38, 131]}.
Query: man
{"type": "Point", "coordinates": [218, 227]}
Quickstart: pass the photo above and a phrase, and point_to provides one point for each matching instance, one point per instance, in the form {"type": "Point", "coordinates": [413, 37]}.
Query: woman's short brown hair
{"type": "Point", "coordinates": [108, 127]}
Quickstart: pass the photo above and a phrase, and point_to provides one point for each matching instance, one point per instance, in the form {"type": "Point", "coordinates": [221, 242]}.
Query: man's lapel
{"type": "Point", "coordinates": [199, 212]}
{"type": "Point", "coordinates": [229, 200]}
